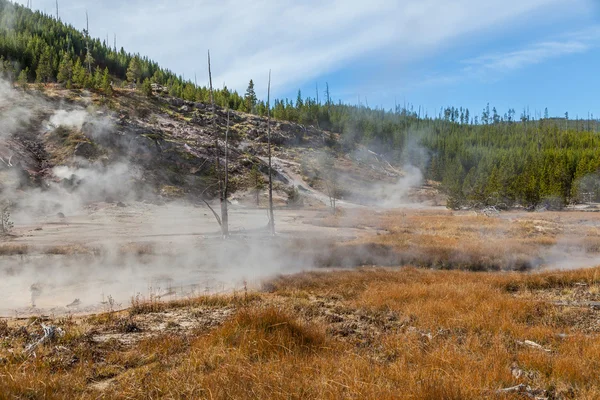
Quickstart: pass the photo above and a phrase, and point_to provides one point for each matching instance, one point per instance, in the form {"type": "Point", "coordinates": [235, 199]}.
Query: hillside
{"type": "Point", "coordinates": [486, 158]}
{"type": "Point", "coordinates": [131, 147]}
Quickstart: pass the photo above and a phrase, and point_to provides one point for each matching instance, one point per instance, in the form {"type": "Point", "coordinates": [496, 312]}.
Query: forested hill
{"type": "Point", "coordinates": [481, 158]}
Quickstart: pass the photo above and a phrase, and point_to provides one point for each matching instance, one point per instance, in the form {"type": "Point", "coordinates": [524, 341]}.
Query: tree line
{"type": "Point", "coordinates": [481, 158]}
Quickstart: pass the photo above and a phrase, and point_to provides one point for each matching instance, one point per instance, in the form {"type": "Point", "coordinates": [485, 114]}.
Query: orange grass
{"type": "Point", "coordinates": [366, 333]}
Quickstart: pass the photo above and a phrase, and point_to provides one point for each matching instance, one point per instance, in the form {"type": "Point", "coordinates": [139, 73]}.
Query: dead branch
{"type": "Point", "coordinates": [50, 332]}
{"type": "Point", "coordinates": [7, 163]}
{"type": "Point", "coordinates": [214, 213]}
{"type": "Point", "coordinates": [534, 345]}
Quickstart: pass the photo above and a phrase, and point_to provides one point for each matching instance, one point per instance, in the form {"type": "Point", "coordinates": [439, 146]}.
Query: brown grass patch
{"type": "Point", "coordinates": [138, 249]}
{"type": "Point", "coordinates": [458, 240]}
{"type": "Point", "coordinates": [72, 249]}
{"type": "Point", "coordinates": [367, 333]}
{"type": "Point", "coordinates": [12, 249]}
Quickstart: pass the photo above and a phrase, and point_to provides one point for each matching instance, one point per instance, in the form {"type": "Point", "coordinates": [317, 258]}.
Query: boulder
{"type": "Point", "coordinates": [85, 150]}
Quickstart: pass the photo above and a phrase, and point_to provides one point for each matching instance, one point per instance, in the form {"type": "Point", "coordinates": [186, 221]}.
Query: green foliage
{"type": "Point", "coordinates": [147, 88]}
{"type": "Point", "coordinates": [44, 70]}
{"type": "Point", "coordinates": [250, 97]}
{"type": "Point", "coordinates": [23, 78]}
{"type": "Point", "coordinates": [106, 83]}
{"type": "Point", "coordinates": [507, 159]}
{"type": "Point", "coordinates": [134, 72]}
{"type": "Point", "coordinates": [50, 49]}
{"type": "Point", "coordinates": [65, 69]}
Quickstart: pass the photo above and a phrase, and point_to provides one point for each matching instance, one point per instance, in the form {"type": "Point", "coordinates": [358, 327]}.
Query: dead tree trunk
{"type": "Point", "coordinates": [224, 210]}
{"type": "Point", "coordinates": [224, 220]}
{"type": "Point", "coordinates": [88, 56]}
{"type": "Point", "coordinates": [271, 216]}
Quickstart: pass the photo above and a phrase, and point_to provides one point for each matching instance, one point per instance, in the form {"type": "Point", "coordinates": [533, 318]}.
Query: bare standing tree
{"type": "Point", "coordinates": [330, 179]}
{"type": "Point", "coordinates": [271, 216]}
{"type": "Point", "coordinates": [57, 10]}
{"type": "Point", "coordinates": [224, 210]}
{"type": "Point", "coordinates": [223, 221]}
{"type": "Point", "coordinates": [88, 56]}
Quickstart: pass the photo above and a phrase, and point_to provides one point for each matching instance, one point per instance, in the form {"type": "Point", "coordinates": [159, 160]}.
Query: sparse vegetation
{"type": "Point", "coordinates": [368, 333]}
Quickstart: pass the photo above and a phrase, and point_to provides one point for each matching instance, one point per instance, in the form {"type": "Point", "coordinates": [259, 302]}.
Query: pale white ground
{"type": "Point", "coordinates": [182, 254]}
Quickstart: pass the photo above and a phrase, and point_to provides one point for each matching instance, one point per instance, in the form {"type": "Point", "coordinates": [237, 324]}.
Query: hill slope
{"type": "Point", "coordinates": [130, 146]}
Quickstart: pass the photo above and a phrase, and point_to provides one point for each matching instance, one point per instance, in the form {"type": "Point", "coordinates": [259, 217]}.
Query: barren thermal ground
{"type": "Point", "coordinates": [74, 264]}
{"type": "Point", "coordinates": [171, 251]}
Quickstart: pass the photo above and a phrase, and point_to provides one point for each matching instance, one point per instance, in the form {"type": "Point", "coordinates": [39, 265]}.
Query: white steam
{"type": "Point", "coordinates": [69, 119]}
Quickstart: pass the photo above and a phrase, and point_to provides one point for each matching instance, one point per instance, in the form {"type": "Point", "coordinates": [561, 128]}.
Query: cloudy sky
{"type": "Point", "coordinates": [430, 53]}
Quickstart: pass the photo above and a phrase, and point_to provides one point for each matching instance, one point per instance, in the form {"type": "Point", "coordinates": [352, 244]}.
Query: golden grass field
{"type": "Point", "coordinates": [365, 333]}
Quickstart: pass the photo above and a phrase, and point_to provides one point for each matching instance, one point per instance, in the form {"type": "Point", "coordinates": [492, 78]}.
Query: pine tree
{"type": "Point", "coordinates": [299, 102]}
{"type": "Point", "coordinates": [147, 87]}
{"type": "Point", "coordinates": [97, 81]}
{"type": "Point", "coordinates": [79, 74]}
{"type": "Point", "coordinates": [250, 97]}
{"type": "Point", "coordinates": [23, 77]}
{"type": "Point", "coordinates": [134, 72]}
{"type": "Point", "coordinates": [44, 72]}
{"type": "Point", "coordinates": [65, 69]}
{"type": "Point", "coordinates": [106, 86]}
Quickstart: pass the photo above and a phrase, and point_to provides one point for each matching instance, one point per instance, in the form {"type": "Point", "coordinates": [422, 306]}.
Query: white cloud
{"type": "Point", "coordinates": [531, 55]}
{"type": "Point", "coordinates": [299, 41]}
{"type": "Point", "coordinates": [492, 66]}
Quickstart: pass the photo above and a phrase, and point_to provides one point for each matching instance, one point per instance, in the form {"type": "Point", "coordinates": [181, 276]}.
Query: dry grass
{"type": "Point", "coordinates": [366, 333]}
{"type": "Point", "coordinates": [363, 333]}
{"type": "Point", "coordinates": [516, 241]}
{"type": "Point", "coordinates": [138, 249]}
{"type": "Point", "coordinates": [12, 249]}
{"type": "Point", "coordinates": [72, 249]}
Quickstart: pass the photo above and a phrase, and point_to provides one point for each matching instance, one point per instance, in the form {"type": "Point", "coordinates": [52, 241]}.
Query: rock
{"type": "Point", "coordinates": [185, 109]}
{"type": "Point", "coordinates": [71, 183]}
{"type": "Point", "coordinates": [74, 303]}
{"type": "Point", "coordinates": [175, 101]}
{"type": "Point", "coordinates": [85, 150]}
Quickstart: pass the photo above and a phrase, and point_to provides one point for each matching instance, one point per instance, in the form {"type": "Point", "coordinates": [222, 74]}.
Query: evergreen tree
{"type": "Point", "coordinates": [299, 102]}
{"type": "Point", "coordinates": [97, 81]}
{"type": "Point", "coordinates": [106, 83]}
{"type": "Point", "coordinates": [65, 69]}
{"type": "Point", "coordinates": [44, 72]}
{"type": "Point", "coordinates": [147, 87]}
{"type": "Point", "coordinates": [79, 74]}
{"type": "Point", "coordinates": [250, 97]}
{"type": "Point", "coordinates": [134, 72]}
{"type": "Point", "coordinates": [23, 78]}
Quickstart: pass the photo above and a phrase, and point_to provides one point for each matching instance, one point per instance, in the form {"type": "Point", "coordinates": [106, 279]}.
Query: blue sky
{"type": "Point", "coordinates": [430, 53]}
